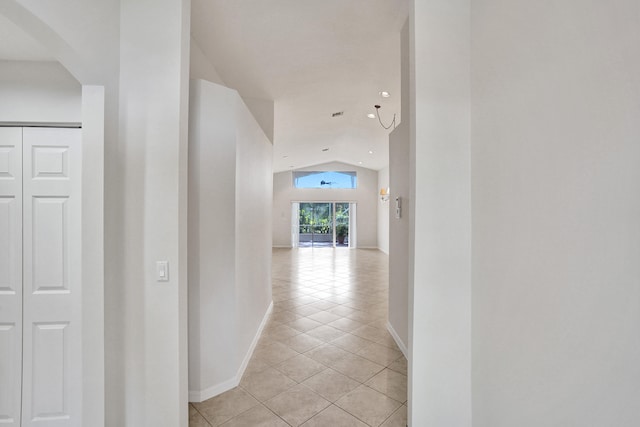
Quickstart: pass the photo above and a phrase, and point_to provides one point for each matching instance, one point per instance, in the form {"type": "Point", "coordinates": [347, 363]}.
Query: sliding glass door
{"type": "Point", "coordinates": [315, 224]}
{"type": "Point", "coordinates": [322, 224]}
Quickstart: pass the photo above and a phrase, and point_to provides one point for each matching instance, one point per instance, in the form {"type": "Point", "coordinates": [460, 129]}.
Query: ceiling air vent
{"type": "Point", "coordinates": [337, 114]}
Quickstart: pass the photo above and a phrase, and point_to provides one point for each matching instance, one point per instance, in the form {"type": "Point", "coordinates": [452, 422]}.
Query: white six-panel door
{"type": "Point", "coordinates": [41, 307]}
{"type": "Point", "coordinates": [10, 275]}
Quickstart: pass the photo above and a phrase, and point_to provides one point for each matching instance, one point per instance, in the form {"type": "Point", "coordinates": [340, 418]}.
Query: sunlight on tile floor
{"type": "Point", "coordinates": [325, 357]}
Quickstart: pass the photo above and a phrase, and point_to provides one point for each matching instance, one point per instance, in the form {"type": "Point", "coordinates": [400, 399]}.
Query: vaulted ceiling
{"type": "Point", "coordinates": [313, 59]}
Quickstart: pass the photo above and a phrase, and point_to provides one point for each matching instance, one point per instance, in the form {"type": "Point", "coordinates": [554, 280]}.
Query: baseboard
{"type": "Point", "coordinates": [254, 343]}
{"type": "Point", "coordinates": [396, 338]}
{"type": "Point", "coordinates": [281, 246]}
{"type": "Point", "coordinates": [383, 251]}
{"type": "Point", "coordinates": [213, 391]}
{"type": "Point", "coordinates": [208, 393]}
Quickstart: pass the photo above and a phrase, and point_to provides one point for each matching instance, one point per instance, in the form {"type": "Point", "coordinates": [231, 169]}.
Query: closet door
{"type": "Point", "coordinates": [10, 275]}
{"type": "Point", "coordinates": [52, 370]}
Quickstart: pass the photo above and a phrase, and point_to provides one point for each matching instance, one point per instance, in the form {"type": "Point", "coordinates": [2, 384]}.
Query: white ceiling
{"type": "Point", "coordinates": [19, 46]}
{"type": "Point", "coordinates": [313, 58]}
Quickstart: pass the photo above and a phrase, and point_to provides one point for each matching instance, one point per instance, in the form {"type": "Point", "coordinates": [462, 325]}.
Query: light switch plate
{"type": "Point", "coordinates": [162, 271]}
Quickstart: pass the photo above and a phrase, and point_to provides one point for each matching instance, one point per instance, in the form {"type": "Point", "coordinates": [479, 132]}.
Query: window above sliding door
{"type": "Point", "coordinates": [325, 179]}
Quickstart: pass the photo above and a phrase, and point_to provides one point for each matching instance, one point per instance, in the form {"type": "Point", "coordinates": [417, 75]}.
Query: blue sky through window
{"type": "Point", "coordinates": [304, 179]}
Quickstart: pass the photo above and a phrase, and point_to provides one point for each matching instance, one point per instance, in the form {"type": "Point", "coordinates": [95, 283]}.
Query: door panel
{"type": "Point", "coordinates": [49, 371]}
{"type": "Point", "coordinates": [9, 370]}
{"type": "Point", "coordinates": [10, 275]}
{"type": "Point", "coordinates": [50, 244]}
{"type": "Point", "coordinates": [51, 391]}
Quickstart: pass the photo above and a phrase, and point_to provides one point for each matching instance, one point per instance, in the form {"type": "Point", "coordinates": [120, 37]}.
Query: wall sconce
{"type": "Point", "coordinates": [384, 194]}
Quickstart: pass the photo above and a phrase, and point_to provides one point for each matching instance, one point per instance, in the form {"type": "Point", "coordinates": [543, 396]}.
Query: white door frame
{"type": "Point", "coordinates": [90, 314]}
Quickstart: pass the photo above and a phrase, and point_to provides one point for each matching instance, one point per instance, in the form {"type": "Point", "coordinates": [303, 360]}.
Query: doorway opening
{"type": "Point", "coordinates": [323, 224]}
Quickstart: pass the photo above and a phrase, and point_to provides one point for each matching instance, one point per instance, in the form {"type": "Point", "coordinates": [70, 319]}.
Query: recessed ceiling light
{"type": "Point", "coordinates": [371, 116]}
{"type": "Point", "coordinates": [359, 163]}
{"type": "Point", "coordinates": [370, 151]}
{"type": "Point", "coordinates": [325, 149]}
{"type": "Point", "coordinates": [385, 94]}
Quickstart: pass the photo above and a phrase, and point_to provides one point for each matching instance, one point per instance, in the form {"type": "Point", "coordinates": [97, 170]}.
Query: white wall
{"type": "Point", "coordinates": [556, 208]}
{"type": "Point", "coordinates": [440, 306]}
{"type": "Point", "coordinates": [399, 148]}
{"type": "Point", "coordinates": [366, 196]}
{"type": "Point", "coordinates": [230, 204]}
{"type": "Point", "coordinates": [212, 242]}
{"type": "Point", "coordinates": [153, 114]}
{"type": "Point", "coordinates": [200, 66]}
{"type": "Point", "coordinates": [143, 48]}
{"type": "Point", "coordinates": [263, 111]}
{"type": "Point", "coordinates": [34, 91]}
{"type": "Point", "coordinates": [399, 175]}
{"type": "Point", "coordinates": [254, 206]}
{"type": "Point", "coordinates": [383, 213]}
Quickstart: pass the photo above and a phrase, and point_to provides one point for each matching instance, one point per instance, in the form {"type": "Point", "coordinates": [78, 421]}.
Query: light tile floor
{"type": "Point", "coordinates": [325, 357]}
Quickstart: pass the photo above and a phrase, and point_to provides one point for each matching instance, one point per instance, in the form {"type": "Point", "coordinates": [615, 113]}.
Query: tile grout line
{"type": "Point", "coordinates": [325, 301]}
{"type": "Point", "coordinates": [201, 414]}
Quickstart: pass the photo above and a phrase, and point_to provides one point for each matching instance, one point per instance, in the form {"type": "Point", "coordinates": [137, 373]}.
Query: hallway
{"type": "Point", "coordinates": [325, 357]}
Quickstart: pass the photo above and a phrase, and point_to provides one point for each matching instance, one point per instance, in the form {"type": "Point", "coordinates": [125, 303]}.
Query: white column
{"type": "Point", "coordinates": [154, 58]}
{"type": "Point", "coordinates": [440, 291]}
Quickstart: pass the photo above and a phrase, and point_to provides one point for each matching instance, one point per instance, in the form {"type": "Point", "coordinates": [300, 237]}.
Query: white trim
{"type": "Point", "coordinates": [382, 250]}
{"type": "Point", "coordinates": [208, 393]}
{"type": "Point", "coordinates": [93, 290]}
{"type": "Point", "coordinates": [254, 343]}
{"type": "Point", "coordinates": [396, 338]}
{"type": "Point", "coordinates": [213, 391]}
